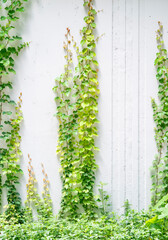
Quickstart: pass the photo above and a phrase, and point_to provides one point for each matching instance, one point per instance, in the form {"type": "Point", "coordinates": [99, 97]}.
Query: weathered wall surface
{"type": "Point", "coordinates": [127, 81]}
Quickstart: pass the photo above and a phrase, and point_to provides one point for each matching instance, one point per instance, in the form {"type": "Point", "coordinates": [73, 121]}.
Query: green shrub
{"type": "Point", "coordinates": [131, 226]}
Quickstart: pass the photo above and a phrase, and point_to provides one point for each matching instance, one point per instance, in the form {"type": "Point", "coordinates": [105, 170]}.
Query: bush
{"type": "Point", "coordinates": [130, 226]}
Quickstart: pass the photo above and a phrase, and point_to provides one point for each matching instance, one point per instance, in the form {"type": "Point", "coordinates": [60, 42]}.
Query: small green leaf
{"type": "Point", "coordinates": [83, 42]}
{"type": "Point", "coordinates": [17, 38]}
{"type": "Point", "coordinates": [7, 113]}
{"type": "Point", "coordinates": [93, 11]}
{"type": "Point", "coordinates": [95, 62]}
{"type": "Point", "coordinates": [20, 9]}
{"type": "Point", "coordinates": [3, 18]}
{"type": "Point", "coordinates": [85, 3]}
{"type": "Point", "coordinates": [11, 70]}
{"type": "Point", "coordinates": [93, 25]}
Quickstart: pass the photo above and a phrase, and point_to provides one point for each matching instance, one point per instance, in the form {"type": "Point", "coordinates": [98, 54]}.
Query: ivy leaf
{"type": "Point", "coordinates": [85, 3]}
{"type": "Point", "coordinates": [11, 70]}
{"type": "Point", "coordinates": [94, 80]}
{"type": "Point", "coordinates": [83, 42]}
{"type": "Point", "coordinates": [6, 62]}
{"type": "Point", "coordinates": [1, 46]}
{"type": "Point", "coordinates": [95, 62]}
{"type": "Point", "coordinates": [91, 45]}
{"type": "Point", "coordinates": [12, 102]}
{"type": "Point", "coordinates": [90, 38]}
{"type": "Point", "coordinates": [17, 38]}
{"type": "Point", "coordinates": [84, 29]}
{"type": "Point", "coordinates": [84, 50]}
{"type": "Point", "coordinates": [3, 18]}
{"type": "Point", "coordinates": [93, 25]}
{"type": "Point", "coordinates": [55, 88]}
{"type": "Point", "coordinates": [20, 9]}
{"type": "Point", "coordinates": [93, 11]}
{"type": "Point", "coordinates": [96, 148]}
{"type": "Point", "coordinates": [88, 31]}
{"type": "Point", "coordinates": [7, 113]}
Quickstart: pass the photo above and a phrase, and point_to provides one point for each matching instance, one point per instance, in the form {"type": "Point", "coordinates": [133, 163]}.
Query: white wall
{"type": "Point", "coordinates": [127, 81]}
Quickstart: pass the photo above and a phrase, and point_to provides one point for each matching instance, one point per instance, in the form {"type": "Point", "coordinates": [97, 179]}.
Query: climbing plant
{"type": "Point", "coordinates": [77, 108]}
{"type": "Point", "coordinates": [10, 117]}
{"type": "Point", "coordinates": [34, 202]}
{"type": "Point", "coordinates": [67, 141]}
{"type": "Point", "coordinates": [11, 168]}
{"type": "Point", "coordinates": [47, 202]}
{"type": "Point", "coordinates": [88, 109]}
{"type": "Point", "coordinates": [160, 115]}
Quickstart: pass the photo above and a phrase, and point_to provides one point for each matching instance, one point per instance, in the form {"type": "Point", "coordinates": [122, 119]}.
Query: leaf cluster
{"type": "Point", "coordinates": [34, 202]}
{"type": "Point", "coordinates": [103, 200]}
{"type": "Point", "coordinates": [160, 220]}
{"type": "Point", "coordinates": [77, 108]}
{"type": "Point", "coordinates": [10, 112]}
{"type": "Point", "coordinates": [160, 115]}
{"type": "Point", "coordinates": [128, 227]}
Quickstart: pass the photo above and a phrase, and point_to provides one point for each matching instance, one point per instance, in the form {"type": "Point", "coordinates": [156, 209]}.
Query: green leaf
{"type": "Point", "coordinates": [95, 62]}
{"type": "Point", "coordinates": [90, 38]}
{"type": "Point", "coordinates": [3, 18]}
{"type": "Point", "coordinates": [11, 70]}
{"type": "Point", "coordinates": [55, 88]}
{"type": "Point", "coordinates": [6, 62]}
{"type": "Point", "coordinates": [84, 50]}
{"type": "Point", "coordinates": [20, 9]}
{"type": "Point", "coordinates": [91, 45]}
{"type": "Point", "coordinates": [163, 200]}
{"type": "Point", "coordinates": [84, 29]}
{"type": "Point", "coordinates": [93, 25]}
{"type": "Point", "coordinates": [93, 11]}
{"type": "Point", "coordinates": [1, 46]}
{"type": "Point", "coordinates": [11, 102]}
{"type": "Point", "coordinates": [17, 38]}
{"type": "Point", "coordinates": [85, 3]}
{"type": "Point", "coordinates": [83, 42]}
{"type": "Point", "coordinates": [88, 31]}
{"type": "Point", "coordinates": [7, 113]}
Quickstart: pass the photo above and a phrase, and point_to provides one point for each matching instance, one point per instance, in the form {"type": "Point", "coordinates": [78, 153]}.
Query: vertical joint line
{"type": "Point", "coordinates": [125, 167]}
{"type": "Point", "coordinates": [139, 105]}
{"type": "Point", "coordinates": [112, 109]}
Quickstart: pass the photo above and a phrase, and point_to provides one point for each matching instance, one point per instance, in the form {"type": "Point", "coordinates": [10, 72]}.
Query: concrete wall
{"type": "Point", "coordinates": [127, 81]}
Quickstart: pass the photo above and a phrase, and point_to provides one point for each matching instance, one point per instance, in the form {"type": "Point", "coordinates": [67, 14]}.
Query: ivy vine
{"type": "Point", "coordinates": [67, 142]}
{"type": "Point", "coordinates": [10, 46]}
{"type": "Point", "coordinates": [77, 108]}
{"type": "Point", "coordinates": [160, 115]}
{"type": "Point", "coordinates": [87, 112]}
{"type": "Point", "coordinates": [43, 206]}
{"type": "Point", "coordinates": [11, 168]}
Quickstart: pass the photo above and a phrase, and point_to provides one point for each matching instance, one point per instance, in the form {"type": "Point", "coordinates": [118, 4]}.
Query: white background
{"type": "Point", "coordinates": [126, 55]}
